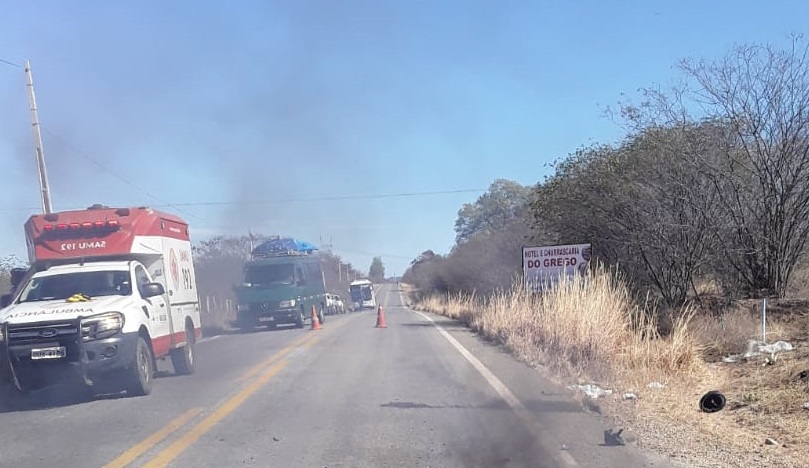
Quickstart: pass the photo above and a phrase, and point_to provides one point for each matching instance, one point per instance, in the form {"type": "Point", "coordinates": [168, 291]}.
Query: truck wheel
{"type": "Point", "coordinates": [245, 323]}
{"type": "Point", "coordinates": [183, 358]}
{"type": "Point", "coordinates": [320, 315]}
{"type": "Point", "coordinates": [141, 372]}
{"type": "Point", "coordinates": [301, 319]}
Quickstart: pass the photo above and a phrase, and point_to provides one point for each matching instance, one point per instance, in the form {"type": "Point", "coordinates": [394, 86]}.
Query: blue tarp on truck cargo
{"type": "Point", "coordinates": [286, 245]}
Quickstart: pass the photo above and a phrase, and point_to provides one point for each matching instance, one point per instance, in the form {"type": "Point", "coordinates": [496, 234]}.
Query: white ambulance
{"type": "Point", "coordinates": [109, 291]}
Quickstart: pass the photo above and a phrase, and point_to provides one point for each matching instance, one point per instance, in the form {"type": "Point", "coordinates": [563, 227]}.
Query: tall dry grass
{"type": "Point", "coordinates": [587, 325]}
{"type": "Point", "coordinates": [591, 329]}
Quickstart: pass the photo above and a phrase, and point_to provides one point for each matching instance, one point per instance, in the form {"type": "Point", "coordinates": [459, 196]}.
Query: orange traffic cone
{"type": "Point", "coordinates": [380, 318]}
{"type": "Point", "coordinates": [315, 322]}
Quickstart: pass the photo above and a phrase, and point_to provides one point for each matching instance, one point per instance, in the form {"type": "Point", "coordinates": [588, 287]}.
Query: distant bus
{"type": "Point", "coordinates": [362, 294]}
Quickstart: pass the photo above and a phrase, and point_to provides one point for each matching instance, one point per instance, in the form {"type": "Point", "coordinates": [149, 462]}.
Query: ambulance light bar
{"type": "Point", "coordinates": [112, 224]}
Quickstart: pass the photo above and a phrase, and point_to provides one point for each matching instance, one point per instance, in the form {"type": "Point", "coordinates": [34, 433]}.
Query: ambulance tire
{"type": "Point", "coordinates": [183, 359]}
{"type": "Point", "coordinates": [140, 375]}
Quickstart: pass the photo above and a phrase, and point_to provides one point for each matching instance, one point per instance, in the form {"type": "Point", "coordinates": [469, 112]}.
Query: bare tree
{"type": "Point", "coordinates": [642, 206]}
{"type": "Point", "coordinates": [760, 95]}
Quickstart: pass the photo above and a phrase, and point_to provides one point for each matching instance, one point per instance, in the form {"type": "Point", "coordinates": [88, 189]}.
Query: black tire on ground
{"type": "Point", "coordinates": [140, 375]}
{"type": "Point", "coordinates": [183, 359]}
{"type": "Point", "coordinates": [320, 315]}
{"type": "Point", "coordinates": [712, 402]}
{"type": "Point", "coordinates": [301, 319]}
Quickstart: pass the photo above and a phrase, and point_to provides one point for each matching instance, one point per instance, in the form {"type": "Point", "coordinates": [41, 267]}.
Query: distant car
{"type": "Point", "coordinates": [334, 304]}
{"type": "Point", "coordinates": [340, 305]}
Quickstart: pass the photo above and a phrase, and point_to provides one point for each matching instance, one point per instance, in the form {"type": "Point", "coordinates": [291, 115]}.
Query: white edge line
{"type": "Point", "coordinates": [516, 405]}
{"type": "Point", "coordinates": [209, 338]}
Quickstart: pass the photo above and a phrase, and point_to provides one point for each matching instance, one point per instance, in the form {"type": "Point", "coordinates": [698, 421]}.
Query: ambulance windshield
{"type": "Point", "coordinates": [88, 283]}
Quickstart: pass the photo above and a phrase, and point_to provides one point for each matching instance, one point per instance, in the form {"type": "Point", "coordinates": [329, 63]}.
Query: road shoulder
{"type": "Point", "coordinates": [577, 426]}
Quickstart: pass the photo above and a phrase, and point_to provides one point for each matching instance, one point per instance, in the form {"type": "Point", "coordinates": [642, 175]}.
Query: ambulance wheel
{"type": "Point", "coordinates": [141, 372]}
{"type": "Point", "coordinates": [183, 359]}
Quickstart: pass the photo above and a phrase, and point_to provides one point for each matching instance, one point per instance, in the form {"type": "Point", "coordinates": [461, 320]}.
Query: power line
{"type": "Point", "coordinates": [100, 166]}
{"type": "Point", "coordinates": [276, 201]}
{"type": "Point", "coordinates": [8, 62]}
{"type": "Point", "coordinates": [331, 198]}
{"type": "Point", "coordinates": [376, 254]}
{"type": "Point", "coordinates": [119, 176]}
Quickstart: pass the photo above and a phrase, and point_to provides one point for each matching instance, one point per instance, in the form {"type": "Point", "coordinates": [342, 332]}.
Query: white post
{"type": "Point", "coordinates": [764, 321]}
{"type": "Point", "coordinates": [40, 155]}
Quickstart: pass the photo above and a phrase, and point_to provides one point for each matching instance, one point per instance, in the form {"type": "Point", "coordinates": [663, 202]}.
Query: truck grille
{"type": "Point", "coordinates": [43, 333]}
{"type": "Point", "coordinates": [23, 337]}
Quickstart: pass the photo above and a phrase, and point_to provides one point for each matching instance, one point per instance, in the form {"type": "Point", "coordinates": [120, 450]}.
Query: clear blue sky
{"type": "Point", "coordinates": [155, 102]}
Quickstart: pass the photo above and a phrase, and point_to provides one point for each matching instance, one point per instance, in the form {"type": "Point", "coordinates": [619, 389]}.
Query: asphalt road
{"type": "Point", "coordinates": [423, 392]}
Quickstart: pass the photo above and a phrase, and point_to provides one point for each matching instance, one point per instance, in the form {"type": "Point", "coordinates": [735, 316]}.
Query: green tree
{"type": "Point", "coordinates": [377, 270]}
{"type": "Point", "coordinates": [504, 201]}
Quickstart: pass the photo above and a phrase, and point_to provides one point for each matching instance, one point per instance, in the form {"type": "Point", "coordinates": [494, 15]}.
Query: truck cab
{"type": "Point", "coordinates": [108, 293]}
{"type": "Point", "coordinates": [280, 285]}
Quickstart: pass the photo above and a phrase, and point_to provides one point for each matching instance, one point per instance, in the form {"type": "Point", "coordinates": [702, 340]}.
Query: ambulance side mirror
{"type": "Point", "coordinates": [152, 290]}
{"type": "Point", "coordinates": [17, 274]}
{"type": "Point", "coordinates": [5, 300]}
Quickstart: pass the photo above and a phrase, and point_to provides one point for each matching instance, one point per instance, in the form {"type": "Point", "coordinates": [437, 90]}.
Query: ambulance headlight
{"type": "Point", "coordinates": [101, 326]}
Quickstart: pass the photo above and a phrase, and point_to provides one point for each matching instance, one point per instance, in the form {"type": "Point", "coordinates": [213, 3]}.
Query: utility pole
{"type": "Point", "coordinates": [40, 155]}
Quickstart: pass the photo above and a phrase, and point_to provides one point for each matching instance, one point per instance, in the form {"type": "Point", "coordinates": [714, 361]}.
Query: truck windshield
{"type": "Point", "coordinates": [269, 275]}
{"type": "Point", "coordinates": [89, 283]}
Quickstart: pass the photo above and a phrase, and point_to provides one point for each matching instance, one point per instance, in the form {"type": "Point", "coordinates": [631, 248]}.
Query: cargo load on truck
{"type": "Point", "coordinates": [108, 292]}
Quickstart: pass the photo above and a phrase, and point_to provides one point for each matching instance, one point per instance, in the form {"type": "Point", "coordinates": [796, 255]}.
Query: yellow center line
{"type": "Point", "coordinates": [143, 446]}
{"type": "Point", "coordinates": [284, 351]}
{"type": "Point", "coordinates": [147, 444]}
{"type": "Point", "coordinates": [181, 445]}
{"type": "Point", "coordinates": [176, 449]}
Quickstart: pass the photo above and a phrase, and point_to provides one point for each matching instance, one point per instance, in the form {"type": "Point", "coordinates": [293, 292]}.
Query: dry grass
{"type": "Point", "coordinates": [587, 326]}
{"type": "Point", "coordinates": [590, 330]}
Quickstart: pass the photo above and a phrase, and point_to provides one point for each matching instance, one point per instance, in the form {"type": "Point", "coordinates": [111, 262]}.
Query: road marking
{"type": "Point", "coordinates": [157, 437]}
{"type": "Point", "coordinates": [284, 351]}
{"type": "Point", "coordinates": [562, 457]}
{"type": "Point", "coordinates": [209, 338]}
{"type": "Point", "coordinates": [143, 446]}
{"type": "Point", "coordinates": [181, 445]}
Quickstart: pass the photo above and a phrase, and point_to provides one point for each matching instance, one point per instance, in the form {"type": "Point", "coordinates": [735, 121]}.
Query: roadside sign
{"type": "Point", "coordinates": [543, 266]}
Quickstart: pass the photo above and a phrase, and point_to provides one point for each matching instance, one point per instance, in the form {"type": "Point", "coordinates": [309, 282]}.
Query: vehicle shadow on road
{"type": "Point", "coordinates": [56, 396]}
